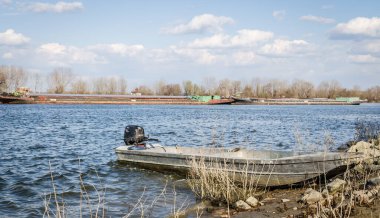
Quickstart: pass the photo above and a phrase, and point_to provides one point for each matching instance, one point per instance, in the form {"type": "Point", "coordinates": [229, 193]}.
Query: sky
{"type": "Point", "coordinates": [146, 41]}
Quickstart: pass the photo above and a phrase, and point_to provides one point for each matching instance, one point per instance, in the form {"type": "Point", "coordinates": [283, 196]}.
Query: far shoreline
{"type": "Point", "coordinates": [64, 99]}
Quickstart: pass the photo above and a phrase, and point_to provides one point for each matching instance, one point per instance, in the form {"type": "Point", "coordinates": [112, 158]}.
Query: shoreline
{"type": "Point", "coordinates": [163, 100]}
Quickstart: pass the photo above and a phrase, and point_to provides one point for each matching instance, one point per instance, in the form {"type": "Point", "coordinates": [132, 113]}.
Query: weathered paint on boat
{"type": "Point", "coordinates": [267, 168]}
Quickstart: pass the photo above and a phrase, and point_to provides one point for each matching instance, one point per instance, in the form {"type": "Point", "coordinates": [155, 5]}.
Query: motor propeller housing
{"type": "Point", "coordinates": [134, 134]}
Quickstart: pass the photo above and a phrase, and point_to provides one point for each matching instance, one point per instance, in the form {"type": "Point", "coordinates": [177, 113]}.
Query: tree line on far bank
{"type": "Point", "coordinates": [62, 80]}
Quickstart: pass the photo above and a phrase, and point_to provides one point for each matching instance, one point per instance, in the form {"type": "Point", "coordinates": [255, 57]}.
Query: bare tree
{"type": "Point", "coordinates": [18, 77]}
{"type": "Point", "coordinates": [355, 91]}
{"type": "Point", "coordinates": [188, 87]}
{"type": "Point", "coordinates": [334, 88]}
{"type": "Point", "coordinates": [329, 89]}
{"type": "Point", "coordinates": [247, 91]}
{"type": "Point", "coordinates": [172, 89]}
{"type": "Point", "coordinates": [79, 87]}
{"type": "Point", "coordinates": [59, 79]}
{"type": "Point", "coordinates": [3, 79]}
{"type": "Point", "coordinates": [373, 94]}
{"type": "Point", "coordinates": [99, 86]}
{"type": "Point", "coordinates": [302, 89]}
{"type": "Point", "coordinates": [224, 88]}
{"type": "Point", "coordinates": [267, 90]}
{"type": "Point", "coordinates": [111, 85]}
{"type": "Point", "coordinates": [323, 89]}
{"type": "Point", "coordinates": [235, 87]}
{"type": "Point", "coordinates": [12, 77]}
{"type": "Point", "coordinates": [279, 88]}
{"type": "Point", "coordinates": [160, 87]}
{"type": "Point", "coordinates": [198, 90]}
{"type": "Point", "coordinates": [191, 88]}
{"type": "Point", "coordinates": [144, 90]}
{"type": "Point", "coordinates": [36, 81]}
{"type": "Point", "coordinates": [121, 86]}
{"type": "Point", "coordinates": [257, 87]}
{"type": "Point", "coordinates": [210, 85]}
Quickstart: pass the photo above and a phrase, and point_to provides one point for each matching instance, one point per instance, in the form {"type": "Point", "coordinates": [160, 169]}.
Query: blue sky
{"type": "Point", "coordinates": [145, 41]}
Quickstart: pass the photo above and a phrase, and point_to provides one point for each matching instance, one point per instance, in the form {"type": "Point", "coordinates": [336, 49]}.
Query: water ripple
{"type": "Point", "coordinates": [79, 140]}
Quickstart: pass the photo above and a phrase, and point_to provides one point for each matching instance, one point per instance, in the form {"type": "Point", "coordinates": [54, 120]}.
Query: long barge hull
{"type": "Point", "coordinates": [296, 103]}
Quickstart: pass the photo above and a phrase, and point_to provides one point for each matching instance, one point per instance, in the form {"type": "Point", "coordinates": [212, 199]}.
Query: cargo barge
{"type": "Point", "coordinates": [42, 98]}
{"type": "Point", "coordinates": [296, 101]}
{"type": "Point", "coordinates": [128, 99]}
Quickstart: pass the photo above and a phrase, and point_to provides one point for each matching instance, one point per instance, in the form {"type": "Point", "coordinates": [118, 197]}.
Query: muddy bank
{"type": "Point", "coordinates": [282, 203]}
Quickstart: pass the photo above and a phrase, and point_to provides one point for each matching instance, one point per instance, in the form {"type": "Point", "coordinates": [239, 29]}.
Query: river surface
{"type": "Point", "coordinates": [78, 141]}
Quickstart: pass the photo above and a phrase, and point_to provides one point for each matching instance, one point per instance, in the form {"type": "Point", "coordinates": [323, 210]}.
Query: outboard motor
{"type": "Point", "coordinates": [133, 135]}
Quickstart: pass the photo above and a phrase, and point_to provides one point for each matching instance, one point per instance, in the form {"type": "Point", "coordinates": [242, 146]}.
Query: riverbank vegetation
{"type": "Point", "coordinates": [63, 80]}
{"type": "Point", "coordinates": [352, 194]}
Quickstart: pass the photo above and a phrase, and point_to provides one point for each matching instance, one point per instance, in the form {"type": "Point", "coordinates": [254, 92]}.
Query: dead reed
{"type": "Point", "coordinates": [92, 203]}
{"type": "Point", "coordinates": [353, 191]}
{"type": "Point", "coordinates": [221, 181]}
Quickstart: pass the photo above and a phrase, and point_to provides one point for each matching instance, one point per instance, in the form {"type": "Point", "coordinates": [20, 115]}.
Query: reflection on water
{"type": "Point", "coordinates": [80, 140]}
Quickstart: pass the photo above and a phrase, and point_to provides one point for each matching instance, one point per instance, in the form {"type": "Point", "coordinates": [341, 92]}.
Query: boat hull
{"type": "Point", "coordinates": [272, 169]}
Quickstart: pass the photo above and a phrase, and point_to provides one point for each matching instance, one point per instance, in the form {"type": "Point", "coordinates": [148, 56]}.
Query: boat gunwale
{"type": "Point", "coordinates": [273, 161]}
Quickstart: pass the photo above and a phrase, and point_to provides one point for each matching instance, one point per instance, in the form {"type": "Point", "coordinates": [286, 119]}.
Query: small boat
{"type": "Point", "coordinates": [266, 168]}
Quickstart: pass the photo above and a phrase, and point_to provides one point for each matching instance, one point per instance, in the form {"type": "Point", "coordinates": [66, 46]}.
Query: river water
{"type": "Point", "coordinates": [79, 140]}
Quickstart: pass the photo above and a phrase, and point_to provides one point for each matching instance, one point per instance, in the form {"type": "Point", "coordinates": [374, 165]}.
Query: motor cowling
{"type": "Point", "coordinates": [133, 135]}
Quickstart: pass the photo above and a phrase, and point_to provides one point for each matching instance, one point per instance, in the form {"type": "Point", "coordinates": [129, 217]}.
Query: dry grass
{"type": "Point", "coordinates": [222, 182]}
{"type": "Point", "coordinates": [90, 205]}
{"type": "Point", "coordinates": [343, 202]}
{"type": "Point", "coordinates": [355, 192]}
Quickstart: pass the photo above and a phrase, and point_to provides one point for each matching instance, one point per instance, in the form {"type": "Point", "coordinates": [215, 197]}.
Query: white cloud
{"type": "Point", "coordinates": [243, 38]}
{"type": "Point", "coordinates": [245, 48]}
{"type": "Point", "coordinates": [201, 23]}
{"type": "Point", "coordinates": [201, 56]}
{"type": "Point", "coordinates": [372, 47]}
{"type": "Point", "coordinates": [10, 37]}
{"type": "Point", "coordinates": [7, 55]}
{"type": "Point", "coordinates": [84, 56]}
{"type": "Point", "coordinates": [323, 20]}
{"type": "Point", "coordinates": [279, 15]}
{"type": "Point", "coordinates": [244, 57]}
{"type": "Point", "coordinates": [284, 48]}
{"type": "Point", "coordinates": [160, 55]}
{"type": "Point", "coordinates": [52, 49]}
{"type": "Point", "coordinates": [367, 47]}
{"type": "Point", "coordinates": [358, 27]}
{"type": "Point", "coordinates": [215, 41]}
{"type": "Point", "coordinates": [59, 54]}
{"type": "Point", "coordinates": [58, 7]}
{"type": "Point", "coordinates": [119, 48]}
{"type": "Point", "coordinates": [62, 55]}
{"type": "Point", "coordinates": [364, 59]}
{"type": "Point", "coordinates": [248, 37]}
